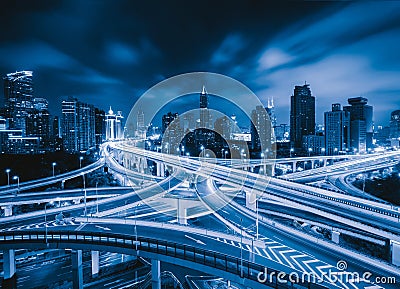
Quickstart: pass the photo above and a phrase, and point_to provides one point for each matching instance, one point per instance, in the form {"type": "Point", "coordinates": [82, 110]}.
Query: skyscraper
{"type": "Point", "coordinates": [110, 118]}
{"type": "Point", "coordinates": [337, 130]}
{"type": "Point", "coordinates": [224, 126]}
{"type": "Point", "coordinates": [302, 115]}
{"type": "Point", "coordinates": [361, 126]}
{"type": "Point", "coordinates": [78, 125]}
{"type": "Point", "coordinates": [18, 93]}
{"type": "Point", "coordinates": [261, 129]}
{"type": "Point", "coordinates": [100, 127]}
{"type": "Point", "coordinates": [167, 119]}
{"type": "Point", "coordinates": [119, 127]}
{"type": "Point", "coordinates": [395, 124]}
{"type": "Point", "coordinates": [205, 116]}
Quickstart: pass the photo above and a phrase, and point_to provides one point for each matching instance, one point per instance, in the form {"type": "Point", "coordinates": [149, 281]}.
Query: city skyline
{"type": "Point", "coordinates": [270, 48]}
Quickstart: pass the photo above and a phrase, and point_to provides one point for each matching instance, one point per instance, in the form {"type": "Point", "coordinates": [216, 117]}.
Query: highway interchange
{"type": "Point", "coordinates": [275, 246]}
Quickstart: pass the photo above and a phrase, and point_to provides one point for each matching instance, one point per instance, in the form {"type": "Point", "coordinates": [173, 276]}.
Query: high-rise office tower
{"type": "Point", "coordinates": [271, 111]}
{"type": "Point", "coordinates": [114, 125]}
{"type": "Point", "coordinates": [188, 121]}
{"type": "Point", "coordinates": [119, 126]}
{"type": "Point", "coordinates": [337, 130]}
{"type": "Point", "coordinates": [361, 126]}
{"type": "Point", "coordinates": [302, 115]}
{"type": "Point", "coordinates": [261, 129]}
{"type": "Point", "coordinates": [167, 119]}
{"type": "Point", "coordinates": [100, 125]}
{"type": "Point", "coordinates": [78, 125]}
{"type": "Point", "coordinates": [224, 126]}
{"type": "Point", "coordinates": [205, 116]}
{"type": "Point", "coordinates": [18, 93]}
{"type": "Point", "coordinates": [110, 119]}
{"type": "Point", "coordinates": [140, 124]}
{"type": "Point", "coordinates": [395, 124]}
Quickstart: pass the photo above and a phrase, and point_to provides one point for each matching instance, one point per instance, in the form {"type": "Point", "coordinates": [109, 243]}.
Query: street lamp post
{"type": "Point", "coordinates": [45, 220]}
{"type": "Point", "coordinates": [8, 176]}
{"type": "Point", "coordinates": [97, 200]}
{"type": "Point", "coordinates": [17, 178]}
{"type": "Point", "coordinates": [291, 151]}
{"type": "Point", "coordinates": [53, 164]}
{"type": "Point", "coordinates": [84, 198]}
{"type": "Point", "coordinates": [309, 152]}
{"type": "Point", "coordinates": [241, 247]}
{"type": "Point", "coordinates": [80, 162]}
{"type": "Point", "coordinates": [257, 219]}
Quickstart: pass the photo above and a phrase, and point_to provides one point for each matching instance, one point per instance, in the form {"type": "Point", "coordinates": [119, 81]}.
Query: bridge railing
{"type": "Point", "coordinates": [227, 263]}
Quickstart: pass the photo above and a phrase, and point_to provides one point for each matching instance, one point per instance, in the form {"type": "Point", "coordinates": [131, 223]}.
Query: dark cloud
{"type": "Point", "coordinates": [110, 52]}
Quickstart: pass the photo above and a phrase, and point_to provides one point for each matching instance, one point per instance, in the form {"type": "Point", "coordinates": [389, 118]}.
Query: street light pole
{"type": "Point", "coordinates": [80, 162]}
{"type": "Point", "coordinates": [84, 189]}
{"type": "Point", "coordinates": [97, 201]}
{"type": "Point", "coordinates": [241, 247]}
{"type": "Point", "coordinates": [53, 164]}
{"type": "Point", "coordinates": [8, 176]}
{"type": "Point", "coordinates": [45, 220]}
{"type": "Point", "coordinates": [257, 219]}
{"type": "Point", "coordinates": [17, 178]}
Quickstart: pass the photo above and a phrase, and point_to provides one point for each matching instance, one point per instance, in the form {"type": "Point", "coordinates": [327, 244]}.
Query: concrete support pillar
{"type": "Point", "coordinates": [162, 170]}
{"type": "Point", "coordinates": [7, 210]}
{"type": "Point", "coordinates": [155, 274]}
{"type": "Point", "coordinates": [9, 264]}
{"type": "Point", "coordinates": [252, 169]}
{"type": "Point", "coordinates": [182, 212]}
{"type": "Point", "coordinates": [395, 252]}
{"type": "Point", "coordinates": [158, 169]}
{"type": "Point", "coordinates": [265, 169]}
{"type": "Point", "coordinates": [95, 263]}
{"type": "Point", "coordinates": [77, 273]}
{"type": "Point", "coordinates": [294, 166]}
{"type": "Point", "coordinates": [335, 237]}
{"type": "Point", "coordinates": [313, 164]}
{"type": "Point", "coordinates": [272, 170]}
{"type": "Point", "coordinates": [324, 162]}
{"type": "Point", "coordinates": [251, 198]}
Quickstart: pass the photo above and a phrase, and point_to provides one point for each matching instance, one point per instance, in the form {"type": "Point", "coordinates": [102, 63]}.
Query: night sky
{"type": "Point", "coordinates": [110, 52]}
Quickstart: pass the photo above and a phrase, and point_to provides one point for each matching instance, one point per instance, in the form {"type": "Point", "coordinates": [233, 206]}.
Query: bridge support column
{"type": "Point", "coordinates": [158, 169]}
{"type": "Point", "coordinates": [395, 252]}
{"type": "Point", "coordinates": [95, 263]}
{"type": "Point", "coordinates": [9, 264]}
{"type": "Point", "coordinates": [335, 237]}
{"type": "Point", "coordinates": [251, 200]}
{"type": "Point", "coordinates": [294, 167]}
{"type": "Point", "coordinates": [77, 274]}
{"type": "Point", "coordinates": [155, 274]}
{"type": "Point", "coordinates": [182, 212]}
{"type": "Point", "coordinates": [7, 210]}
{"type": "Point", "coordinates": [162, 171]}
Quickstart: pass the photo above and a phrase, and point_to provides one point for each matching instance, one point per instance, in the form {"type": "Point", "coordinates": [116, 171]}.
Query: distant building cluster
{"type": "Point", "coordinates": [347, 129]}
{"type": "Point", "coordinates": [27, 127]}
